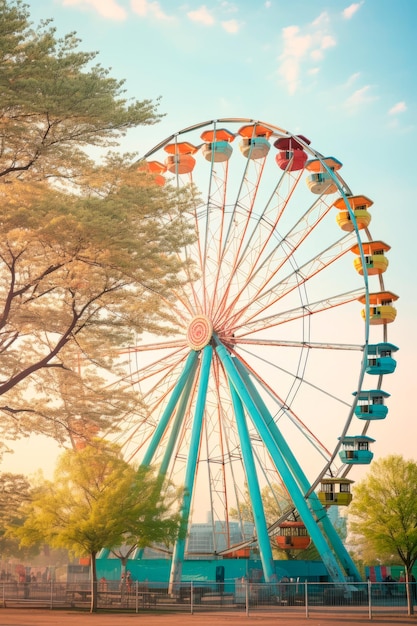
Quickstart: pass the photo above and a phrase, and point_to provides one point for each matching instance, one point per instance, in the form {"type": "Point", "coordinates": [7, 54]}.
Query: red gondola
{"type": "Point", "coordinates": [293, 536]}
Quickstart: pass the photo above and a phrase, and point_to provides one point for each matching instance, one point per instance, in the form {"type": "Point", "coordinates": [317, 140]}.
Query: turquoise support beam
{"type": "Point", "coordinates": [189, 367]}
{"type": "Point", "coordinates": [320, 512]}
{"type": "Point", "coordinates": [179, 417]}
{"type": "Point", "coordinates": [191, 467]}
{"type": "Point", "coordinates": [254, 490]}
{"type": "Point", "coordinates": [300, 503]}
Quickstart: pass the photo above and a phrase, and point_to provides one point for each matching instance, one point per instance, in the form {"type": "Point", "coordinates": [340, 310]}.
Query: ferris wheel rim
{"type": "Point", "coordinates": [345, 193]}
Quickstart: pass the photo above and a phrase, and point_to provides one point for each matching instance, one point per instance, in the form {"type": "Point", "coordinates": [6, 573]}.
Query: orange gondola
{"type": "Point", "coordinates": [241, 553]}
{"type": "Point", "coordinates": [292, 536]}
{"type": "Point", "coordinates": [180, 160]}
{"type": "Point", "coordinates": [155, 169]}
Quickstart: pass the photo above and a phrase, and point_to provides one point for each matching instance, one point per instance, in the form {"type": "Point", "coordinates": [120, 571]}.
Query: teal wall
{"type": "Point", "coordinates": [157, 570]}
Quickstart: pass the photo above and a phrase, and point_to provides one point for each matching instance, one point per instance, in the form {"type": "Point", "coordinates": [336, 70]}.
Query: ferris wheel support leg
{"type": "Point", "coordinates": [190, 471]}
{"type": "Point", "coordinates": [297, 495]}
{"type": "Point", "coordinates": [189, 369]}
{"type": "Point", "coordinates": [329, 530]}
{"type": "Point", "coordinates": [176, 426]}
{"type": "Point", "coordinates": [254, 490]}
{"type": "Point", "coordinates": [321, 513]}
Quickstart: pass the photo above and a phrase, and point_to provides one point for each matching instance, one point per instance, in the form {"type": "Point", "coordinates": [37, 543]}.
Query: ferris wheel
{"type": "Point", "coordinates": [276, 370]}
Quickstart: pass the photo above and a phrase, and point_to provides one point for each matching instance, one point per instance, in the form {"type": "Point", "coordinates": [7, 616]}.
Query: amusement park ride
{"type": "Point", "coordinates": [275, 373]}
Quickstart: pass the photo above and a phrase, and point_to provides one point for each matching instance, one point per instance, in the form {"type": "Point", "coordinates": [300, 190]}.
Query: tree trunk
{"type": "Point", "coordinates": [409, 592]}
{"type": "Point", "coordinates": [93, 571]}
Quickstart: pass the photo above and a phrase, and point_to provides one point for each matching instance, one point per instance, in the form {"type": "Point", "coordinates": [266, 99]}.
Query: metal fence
{"type": "Point", "coordinates": [305, 598]}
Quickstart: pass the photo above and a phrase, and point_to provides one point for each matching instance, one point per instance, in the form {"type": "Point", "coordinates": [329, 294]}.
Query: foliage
{"type": "Point", "coordinates": [14, 491]}
{"type": "Point", "coordinates": [88, 249]}
{"type": "Point", "coordinates": [383, 514]}
{"type": "Point", "coordinates": [96, 501]}
{"type": "Point", "coordinates": [55, 102]}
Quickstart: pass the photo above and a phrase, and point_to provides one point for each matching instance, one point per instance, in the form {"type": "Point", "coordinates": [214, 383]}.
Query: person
{"type": "Point", "coordinates": [388, 588]}
{"type": "Point", "coordinates": [26, 586]}
{"type": "Point", "coordinates": [128, 582]}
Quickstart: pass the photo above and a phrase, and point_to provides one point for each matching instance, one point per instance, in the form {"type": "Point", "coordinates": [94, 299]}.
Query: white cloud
{"type": "Point", "coordinates": [109, 9]}
{"type": "Point", "coordinates": [145, 8]}
{"type": "Point", "coordinates": [327, 41]}
{"type": "Point", "coordinates": [295, 47]}
{"type": "Point", "coordinates": [321, 21]}
{"type": "Point", "coordinates": [301, 46]}
{"type": "Point", "coordinates": [231, 26]}
{"type": "Point", "coordinates": [360, 98]}
{"type": "Point", "coordinates": [350, 11]}
{"type": "Point", "coordinates": [352, 79]}
{"type": "Point", "coordinates": [201, 15]}
{"type": "Point", "coordinates": [400, 107]}
{"type": "Point", "coordinates": [268, 4]}
{"type": "Point", "coordinates": [229, 7]}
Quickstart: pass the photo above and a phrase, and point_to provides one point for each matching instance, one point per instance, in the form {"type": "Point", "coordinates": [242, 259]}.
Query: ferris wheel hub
{"type": "Point", "coordinates": [199, 332]}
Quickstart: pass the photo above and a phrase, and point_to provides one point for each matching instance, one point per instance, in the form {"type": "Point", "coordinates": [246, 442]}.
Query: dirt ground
{"type": "Point", "coordinates": [38, 617]}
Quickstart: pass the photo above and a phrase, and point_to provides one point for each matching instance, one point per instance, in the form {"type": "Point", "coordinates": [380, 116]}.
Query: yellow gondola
{"type": "Point", "coordinates": [335, 491]}
{"type": "Point", "coordinates": [375, 260]}
{"type": "Point", "coordinates": [359, 206]}
{"type": "Point", "coordinates": [381, 310]}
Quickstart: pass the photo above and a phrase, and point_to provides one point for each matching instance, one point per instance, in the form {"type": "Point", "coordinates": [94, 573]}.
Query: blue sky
{"type": "Point", "coordinates": [341, 73]}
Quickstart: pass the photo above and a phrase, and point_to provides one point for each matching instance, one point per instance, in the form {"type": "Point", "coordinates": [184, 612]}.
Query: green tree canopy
{"type": "Point", "coordinates": [97, 500]}
{"type": "Point", "coordinates": [88, 247]}
{"type": "Point", "coordinates": [14, 491]}
{"type": "Point", "coordinates": [383, 513]}
{"type": "Point", "coordinates": [55, 102]}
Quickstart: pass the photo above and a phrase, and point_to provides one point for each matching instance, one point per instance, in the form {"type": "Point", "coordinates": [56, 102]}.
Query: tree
{"type": "Point", "coordinates": [88, 247]}
{"type": "Point", "coordinates": [96, 501]}
{"type": "Point", "coordinates": [14, 491]}
{"type": "Point", "coordinates": [55, 102]}
{"type": "Point", "coordinates": [383, 513]}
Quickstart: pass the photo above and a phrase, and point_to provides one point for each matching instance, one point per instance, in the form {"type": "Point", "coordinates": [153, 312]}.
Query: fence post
{"type": "Point", "coordinates": [191, 598]}
{"type": "Point", "coordinates": [306, 597]}
{"type": "Point", "coordinates": [52, 595]}
{"type": "Point", "coordinates": [369, 599]}
{"type": "Point", "coordinates": [137, 597]}
{"type": "Point", "coordinates": [247, 596]}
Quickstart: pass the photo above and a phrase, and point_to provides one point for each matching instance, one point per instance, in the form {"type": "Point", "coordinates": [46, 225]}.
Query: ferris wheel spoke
{"type": "Point", "coordinates": [264, 270]}
{"type": "Point", "coordinates": [262, 299]}
{"type": "Point", "coordinates": [282, 317]}
{"type": "Point", "coordinates": [280, 343]}
{"type": "Point", "coordinates": [261, 233]}
{"type": "Point", "coordinates": [282, 406]}
{"type": "Point", "coordinates": [240, 218]}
